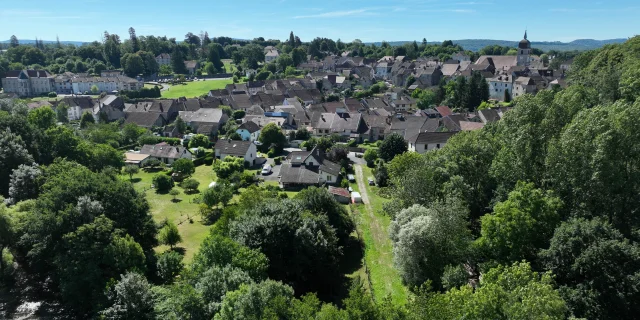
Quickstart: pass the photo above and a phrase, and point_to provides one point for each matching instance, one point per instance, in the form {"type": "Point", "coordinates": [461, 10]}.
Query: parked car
{"type": "Point", "coordinates": [266, 169]}
{"type": "Point", "coordinates": [371, 181]}
{"type": "Point", "coordinates": [351, 178]}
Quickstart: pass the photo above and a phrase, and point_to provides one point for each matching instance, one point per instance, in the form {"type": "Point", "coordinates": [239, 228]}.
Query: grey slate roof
{"type": "Point", "coordinates": [233, 147]}
{"type": "Point", "coordinates": [249, 126]}
{"type": "Point", "coordinates": [144, 119]}
{"type": "Point", "coordinates": [163, 150]}
{"type": "Point", "coordinates": [297, 175]}
{"type": "Point", "coordinates": [431, 137]}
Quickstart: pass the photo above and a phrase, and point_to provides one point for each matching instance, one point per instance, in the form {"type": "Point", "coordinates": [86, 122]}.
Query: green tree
{"type": "Point", "coordinates": [131, 170]}
{"type": "Point", "coordinates": [13, 153]}
{"type": "Point", "coordinates": [190, 185]}
{"type": "Point", "coordinates": [24, 183]}
{"type": "Point", "coordinates": [281, 228]}
{"type": "Point", "coordinates": [131, 132]}
{"type": "Point", "coordinates": [320, 202]}
{"type": "Point", "coordinates": [169, 235]}
{"type": "Point", "coordinates": [222, 193]}
{"type": "Point", "coordinates": [217, 250]}
{"type": "Point", "coordinates": [199, 140]}
{"type": "Point", "coordinates": [174, 193]}
{"type": "Point", "coordinates": [93, 254]}
{"type": "Point", "coordinates": [382, 175]}
{"type": "Point", "coordinates": [213, 55]}
{"type": "Point", "coordinates": [265, 300]}
{"type": "Point", "coordinates": [271, 137]}
{"type": "Point", "coordinates": [601, 164]}
{"type": "Point", "coordinates": [370, 156]}
{"type": "Point", "coordinates": [86, 120]}
{"type": "Point", "coordinates": [513, 292]}
{"type": "Point", "coordinates": [183, 166]}
{"type": "Point", "coordinates": [130, 298]}
{"type": "Point", "coordinates": [521, 225]}
{"type": "Point", "coordinates": [596, 267]}
{"type": "Point", "coordinates": [391, 146]}
{"type": "Point", "coordinates": [427, 239]}
{"type": "Point", "coordinates": [169, 265]}
{"type": "Point", "coordinates": [162, 183]}
{"type": "Point", "coordinates": [177, 61]}
{"type": "Point", "coordinates": [94, 89]}
{"type": "Point", "coordinates": [42, 118]}
{"type": "Point", "coordinates": [230, 165]}
{"type": "Point", "coordinates": [62, 112]}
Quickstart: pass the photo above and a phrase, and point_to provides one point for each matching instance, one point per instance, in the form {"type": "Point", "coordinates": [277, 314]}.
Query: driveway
{"type": "Point", "coordinates": [356, 160]}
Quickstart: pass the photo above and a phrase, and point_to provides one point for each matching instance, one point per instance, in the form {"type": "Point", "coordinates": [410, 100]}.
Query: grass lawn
{"type": "Point", "coordinates": [163, 207]}
{"type": "Point", "coordinates": [378, 248]}
{"type": "Point", "coordinates": [229, 66]}
{"type": "Point", "coordinates": [150, 86]}
{"type": "Point", "coordinates": [195, 88]}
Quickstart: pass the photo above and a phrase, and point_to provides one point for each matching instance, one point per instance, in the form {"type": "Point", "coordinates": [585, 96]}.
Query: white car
{"type": "Point", "coordinates": [266, 169]}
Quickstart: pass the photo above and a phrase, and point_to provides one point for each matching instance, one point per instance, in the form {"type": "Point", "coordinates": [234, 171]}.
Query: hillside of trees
{"type": "Point", "coordinates": [533, 217]}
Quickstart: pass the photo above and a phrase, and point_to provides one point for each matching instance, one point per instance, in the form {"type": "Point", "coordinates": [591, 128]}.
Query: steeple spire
{"type": "Point", "coordinates": [525, 34]}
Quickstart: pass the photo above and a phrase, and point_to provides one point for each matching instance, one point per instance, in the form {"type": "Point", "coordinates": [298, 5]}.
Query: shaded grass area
{"type": "Point", "coordinates": [229, 66]}
{"type": "Point", "coordinates": [180, 212]}
{"type": "Point", "coordinates": [378, 256]}
{"type": "Point", "coordinates": [195, 88]}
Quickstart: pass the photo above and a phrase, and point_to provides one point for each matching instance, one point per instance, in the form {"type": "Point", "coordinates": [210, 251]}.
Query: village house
{"type": "Point", "coordinates": [110, 108]}
{"type": "Point", "coordinates": [426, 141]}
{"type": "Point", "coordinates": [308, 168]}
{"type": "Point", "coordinates": [165, 152]}
{"type": "Point", "coordinates": [249, 131]}
{"type": "Point", "coordinates": [192, 66]}
{"type": "Point", "coordinates": [344, 124]}
{"type": "Point", "coordinates": [246, 150]}
{"type": "Point", "coordinates": [146, 120]}
{"type": "Point", "coordinates": [163, 59]}
{"type": "Point", "coordinates": [498, 85]}
{"type": "Point", "coordinates": [168, 108]}
{"type": "Point", "coordinates": [205, 121]}
{"type": "Point", "coordinates": [77, 105]}
{"type": "Point", "coordinates": [271, 56]}
{"type": "Point", "coordinates": [28, 83]}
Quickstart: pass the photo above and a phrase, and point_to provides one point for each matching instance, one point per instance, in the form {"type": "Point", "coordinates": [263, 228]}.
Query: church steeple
{"type": "Point", "coordinates": [525, 34]}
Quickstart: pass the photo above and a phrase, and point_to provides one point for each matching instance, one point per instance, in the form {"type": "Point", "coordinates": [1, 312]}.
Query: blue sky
{"type": "Point", "coordinates": [371, 20]}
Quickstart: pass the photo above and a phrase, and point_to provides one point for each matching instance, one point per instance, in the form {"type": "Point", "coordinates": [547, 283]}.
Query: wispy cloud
{"type": "Point", "coordinates": [339, 14]}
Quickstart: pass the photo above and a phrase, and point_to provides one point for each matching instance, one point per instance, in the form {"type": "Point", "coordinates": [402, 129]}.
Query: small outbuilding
{"type": "Point", "coordinates": [341, 195]}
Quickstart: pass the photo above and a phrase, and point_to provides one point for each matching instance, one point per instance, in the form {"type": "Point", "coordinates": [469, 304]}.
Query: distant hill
{"type": "Point", "coordinates": [477, 44]}
{"type": "Point", "coordinates": [26, 41]}
{"type": "Point", "coordinates": [467, 44]}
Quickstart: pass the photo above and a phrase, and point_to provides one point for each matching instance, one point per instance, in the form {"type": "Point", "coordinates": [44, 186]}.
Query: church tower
{"type": "Point", "coordinates": [524, 51]}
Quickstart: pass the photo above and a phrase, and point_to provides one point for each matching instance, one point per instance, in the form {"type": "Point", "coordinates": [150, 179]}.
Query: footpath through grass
{"type": "Point", "coordinates": [373, 225]}
{"type": "Point", "coordinates": [162, 206]}
{"type": "Point", "coordinates": [195, 89]}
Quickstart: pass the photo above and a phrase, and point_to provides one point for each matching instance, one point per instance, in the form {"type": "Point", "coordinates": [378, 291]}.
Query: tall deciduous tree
{"type": "Point", "coordinates": [391, 146]}
{"type": "Point", "coordinates": [13, 153]}
{"type": "Point", "coordinates": [130, 298]}
{"type": "Point", "coordinates": [597, 268]}
{"type": "Point", "coordinates": [427, 239]}
{"type": "Point", "coordinates": [521, 225]}
{"type": "Point", "coordinates": [169, 235]}
{"type": "Point", "coordinates": [271, 136]}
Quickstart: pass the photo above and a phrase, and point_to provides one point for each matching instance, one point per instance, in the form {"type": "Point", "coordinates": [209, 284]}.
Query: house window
{"type": "Point", "coordinates": [329, 178]}
{"type": "Point", "coordinates": [438, 146]}
{"type": "Point", "coordinates": [311, 164]}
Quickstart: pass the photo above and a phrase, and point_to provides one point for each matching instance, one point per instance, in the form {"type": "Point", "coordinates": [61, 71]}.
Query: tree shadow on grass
{"type": "Point", "coordinates": [135, 180]}
{"type": "Point", "coordinates": [179, 250]}
{"type": "Point", "coordinates": [353, 253]}
{"type": "Point", "coordinates": [176, 200]}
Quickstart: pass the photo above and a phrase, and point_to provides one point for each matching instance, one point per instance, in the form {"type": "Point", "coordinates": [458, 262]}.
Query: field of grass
{"type": "Point", "coordinates": [195, 88]}
{"type": "Point", "coordinates": [179, 213]}
{"type": "Point", "coordinates": [374, 226]}
{"type": "Point", "coordinates": [229, 66]}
